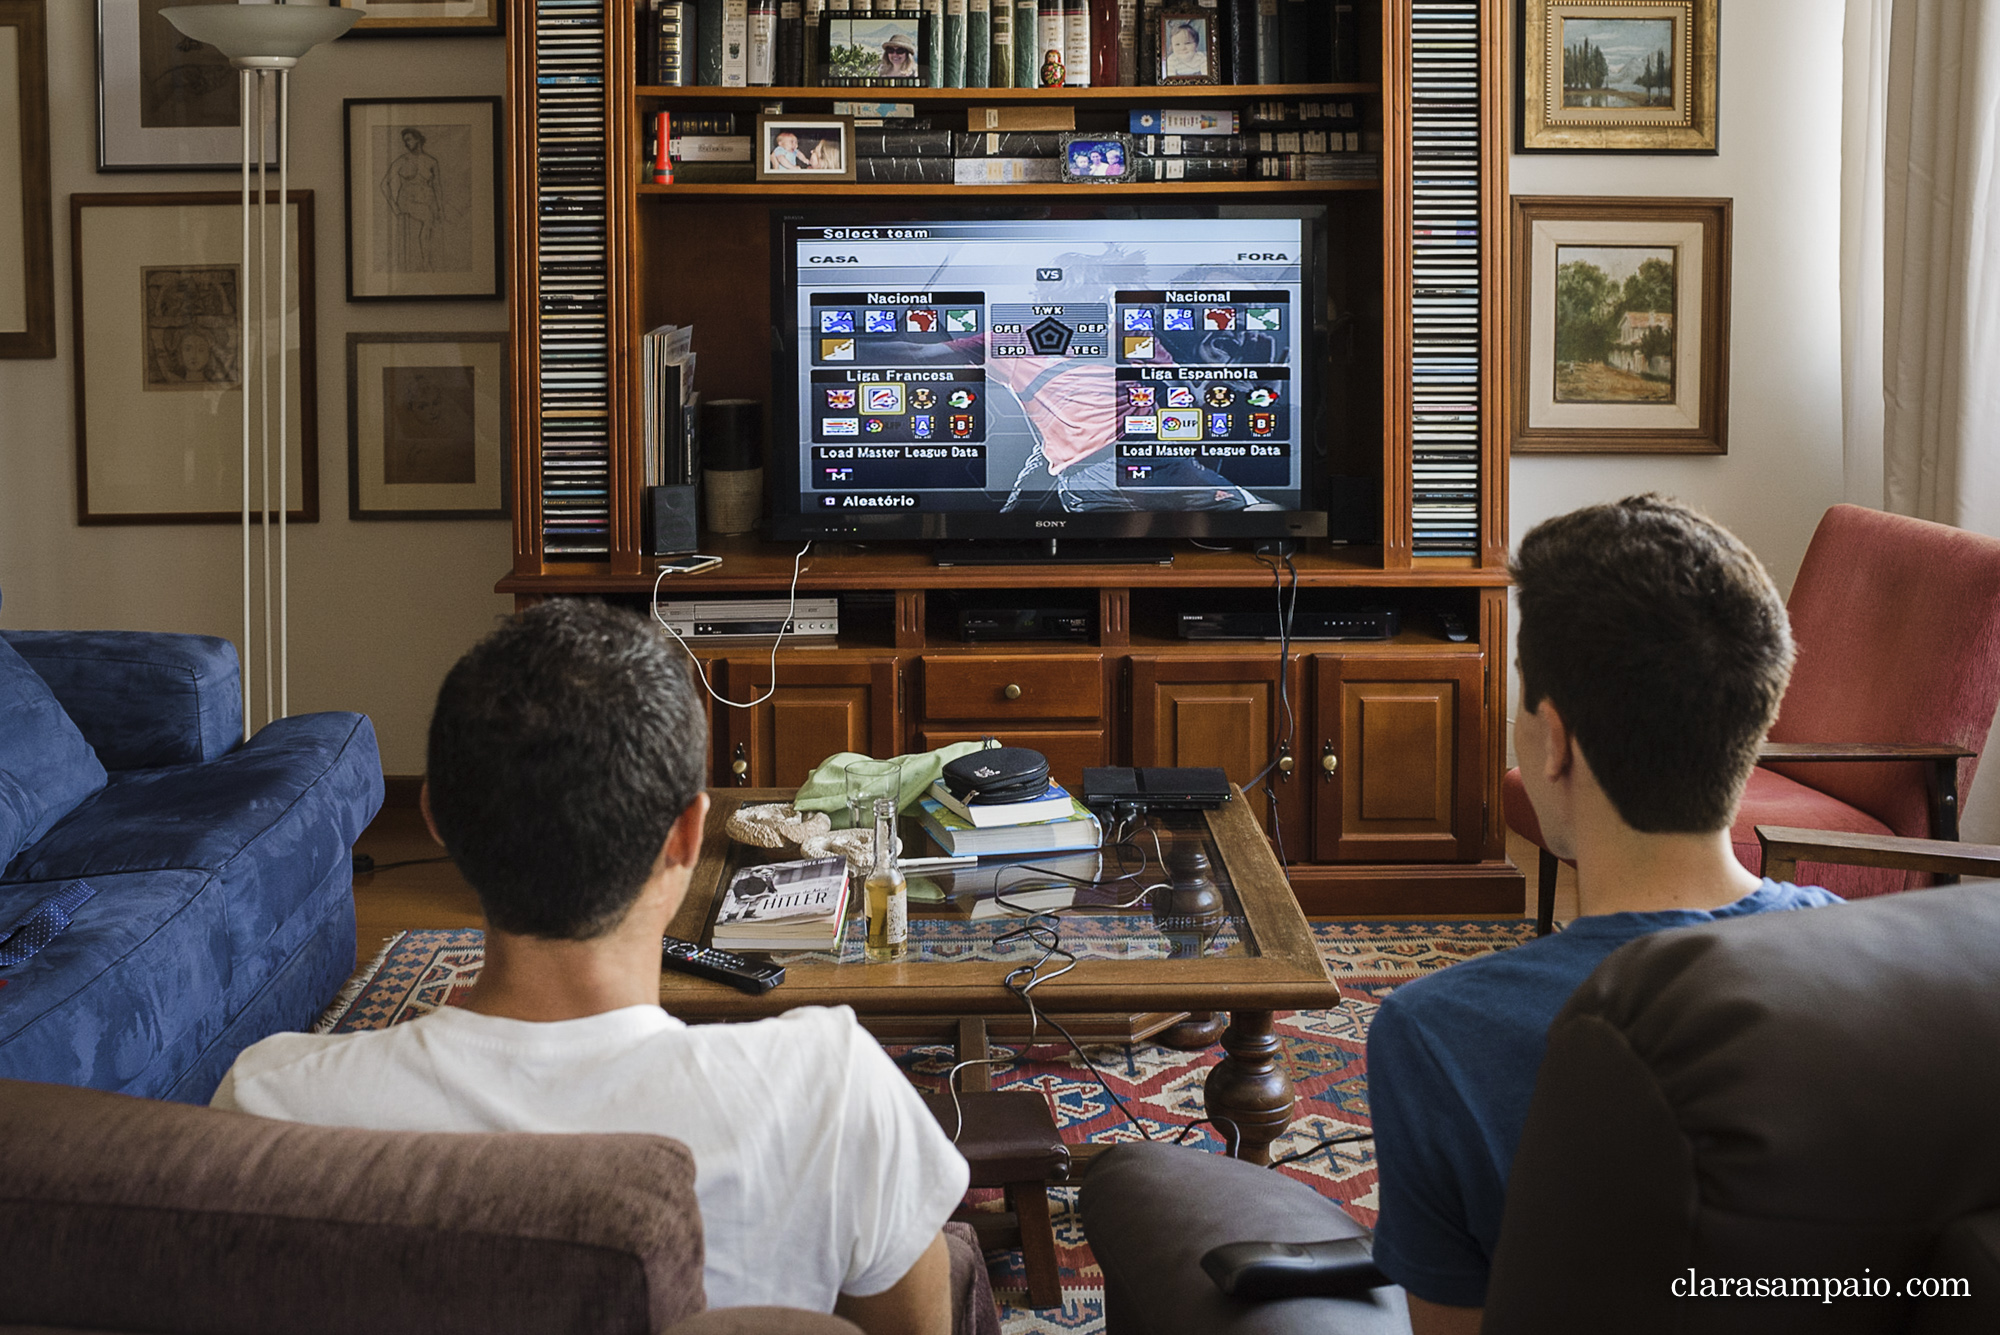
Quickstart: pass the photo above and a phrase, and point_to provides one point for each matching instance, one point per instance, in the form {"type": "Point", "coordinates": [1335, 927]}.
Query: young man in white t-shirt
{"type": "Point", "coordinates": [565, 780]}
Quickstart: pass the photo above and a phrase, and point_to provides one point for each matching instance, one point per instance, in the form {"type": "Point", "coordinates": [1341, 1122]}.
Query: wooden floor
{"type": "Point", "coordinates": [433, 894]}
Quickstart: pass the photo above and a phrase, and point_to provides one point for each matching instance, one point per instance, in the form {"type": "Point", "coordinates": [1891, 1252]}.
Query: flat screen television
{"type": "Point", "coordinates": [1101, 371]}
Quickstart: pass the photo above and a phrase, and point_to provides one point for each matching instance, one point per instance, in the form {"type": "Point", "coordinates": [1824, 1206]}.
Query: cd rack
{"type": "Point", "coordinates": [1445, 287]}
{"type": "Point", "coordinates": [573, 314]}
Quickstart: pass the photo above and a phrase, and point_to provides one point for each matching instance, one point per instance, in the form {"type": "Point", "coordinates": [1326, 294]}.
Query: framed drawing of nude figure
{"type": "Point", "coordinates": [423, 198]}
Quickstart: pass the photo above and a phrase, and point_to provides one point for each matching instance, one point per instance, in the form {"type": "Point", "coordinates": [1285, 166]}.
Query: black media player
{"type": "Point", "coordinates": [976, 624]}
{"type": "Point", "coordinates": [1355, 624]}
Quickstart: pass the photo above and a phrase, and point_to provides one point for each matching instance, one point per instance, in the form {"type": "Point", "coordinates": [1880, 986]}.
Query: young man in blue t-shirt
{"type": "Point", "coordinates": [1653, 654]}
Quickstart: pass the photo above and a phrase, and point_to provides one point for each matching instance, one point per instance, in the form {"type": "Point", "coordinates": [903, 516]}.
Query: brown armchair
{"type": "Point", "coordinates": [1898, 629]}
{"type": "Point", "coordinates": [120, 1214]}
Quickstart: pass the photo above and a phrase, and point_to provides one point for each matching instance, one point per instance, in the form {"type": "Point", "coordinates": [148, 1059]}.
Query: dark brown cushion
{"type": "Point", "coordinates": [125, 1214]}
{"type": "Point", "coordinates": [1008, 1136]}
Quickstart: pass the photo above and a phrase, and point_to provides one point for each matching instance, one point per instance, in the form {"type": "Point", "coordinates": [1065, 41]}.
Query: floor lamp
{"type": "Point", "coordinates": [263, 40]}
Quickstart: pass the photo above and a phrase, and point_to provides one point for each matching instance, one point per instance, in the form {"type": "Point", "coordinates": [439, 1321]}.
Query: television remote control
{"type": "Point", "coordinates": [720, 966]}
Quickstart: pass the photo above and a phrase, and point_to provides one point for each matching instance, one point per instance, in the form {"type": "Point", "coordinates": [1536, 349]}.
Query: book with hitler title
{"type": "Point", "coordinates": [961, 838]}
{"type": "Point", "coordinates": [784, 906]}
{"type": "Point", "coordinates": [1052, 803]}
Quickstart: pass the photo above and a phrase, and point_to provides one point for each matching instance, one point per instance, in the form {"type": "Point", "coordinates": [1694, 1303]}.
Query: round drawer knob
{"type": "Point", "coordinates": [1012, 692]}
{"type": "Point", "coordinates": [739, 767]}
{"type": "Point", "coordinates": [1329, 762]}
{"type": "Point", "coordinates": [1285, 764]}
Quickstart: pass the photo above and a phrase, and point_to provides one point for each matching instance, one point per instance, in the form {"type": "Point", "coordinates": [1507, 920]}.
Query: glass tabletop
{"type": "Point", "coordinates": [1160, 893]}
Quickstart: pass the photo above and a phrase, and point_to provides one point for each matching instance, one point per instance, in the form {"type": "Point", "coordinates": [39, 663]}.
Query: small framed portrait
{"type": "Point", "coordinates": [1618, 76]}
{"type": "Point", "coordinates": [159, 294]}
{"type": "Point", "coordinates": [1099, 159]}
{"type": "Point", "coordinates": [423, 198]}
{"type": "Point", "coordinates": [165, 102]}
{"type": "Point", "coordinates": [1621, 326]}
{"type": "Point", "coordinates": [882, 49]}
{"type": "Point", "coordinates": [427, 426]}
{"type": "Point", "coordinates": [805, 148]}
{"type": "Point", "coordinates": [427, 18]}
{"type": "Point", "coordinates": [1187, 46]}
{"type": "Point", "coordinates": [27, 246]}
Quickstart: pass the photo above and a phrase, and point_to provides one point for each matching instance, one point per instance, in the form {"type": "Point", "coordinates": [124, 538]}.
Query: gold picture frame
{"type": "Point", "coordinates": [1618, 76]}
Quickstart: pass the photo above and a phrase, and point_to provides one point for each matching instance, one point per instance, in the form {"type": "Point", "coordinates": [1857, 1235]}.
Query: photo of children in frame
{"type": "Point", "coordinates": [1187, 47]}
{"type": "Point", "coordinates": [790, 148]}
{"type": "Point", "coordinates": [1097, 159]}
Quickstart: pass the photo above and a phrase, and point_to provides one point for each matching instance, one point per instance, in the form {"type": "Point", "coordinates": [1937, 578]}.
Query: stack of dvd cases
{"type": "Point", "coordinates": [574, 306]}
{"type": "Point", "coordinates": [1444, 363]}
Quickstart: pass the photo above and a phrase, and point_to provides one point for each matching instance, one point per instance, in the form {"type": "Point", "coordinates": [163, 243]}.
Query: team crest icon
{"type": "Point", "coordinates": [1220, 396]}
{"type": "Point", "coordinates": [840, 426]}
{"type": "Point", "coordinates": [921, 426]}
{"type": "Point", "coordinates": [1178, 320]}
{"type": "Point", "coordinates": [1142, 398]}
{"type": "Point", "coordinates": [961, 322]}
{"type": "Point", "coordinates": [922, 399]}
{"type": "Point", "coordinates": [1218, 425]}
{"type": "Point", "coordinates": [1219, 317]}
{"type": "Point", "coordinates": [1263, 424]}
{"type": "Point", "coordinates": [875, 425]}
{"type": "Point", "coordinates": [840, 400]}
{"type": "Point", "coordinates": [1262, 318]}
{"type": "Point", "coordinates": [1139, 349]}
{"type": "Point", "coordinates": [961, 398]}
{"type": "Point", "coordinates": [1262, 397]}
{"type": "Point", "coordinates": [836, 349]}
{"type": "Point", "coordinates": [836, 322]}
{"type": "Point", "coordinates": [961, 425]}
{"type": "Point", "coordinates": [880, 322]}
{"type": "Point", "coordinates": [1180, 426]}
{"type": "Point", "coordinates": [1139, 319]}
{"type": "Point", "coordinates": [1142, 425]}
{"type": "Point", "coordinates": [1180, 396]}
{"type": "Point", "coordinates": [882, 398]}
{"type": "Point", "coordinates": [920, 321]}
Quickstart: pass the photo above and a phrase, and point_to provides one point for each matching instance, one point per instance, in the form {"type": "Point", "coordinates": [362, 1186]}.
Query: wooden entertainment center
{"type": "Point", "coordinates": [1386, 794]}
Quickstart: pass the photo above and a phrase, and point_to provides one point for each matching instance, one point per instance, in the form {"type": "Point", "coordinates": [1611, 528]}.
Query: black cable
{"type": "Point", "coordinates": [365, 865]}
{"type": "Point", "coordinates": [1326, 1144]}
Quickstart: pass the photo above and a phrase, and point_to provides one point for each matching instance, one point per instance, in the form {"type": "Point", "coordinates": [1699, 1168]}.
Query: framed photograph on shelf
{"type": "Point", "coordinates": [796, 149]}
{"type": "Point", "coordinates": [427, 18]}
{"type": "Point", "coordinates": [27, 263]}
{"type": "Point", "coordinates": [427, 426]}
{"type": "Point", "coordinates": [1618, 76]}
{"type": "Point", "coordinates": [159, 293]}
{"type": "Point", "coordinates": [165, 103]}
{"type": "Point", "coordinates": [423, 198]}
{"type": "Point", "coordinates": [882, 49]}
{"type": "Point", "coordinates": [1187, 46]}
{"type": "Point", "coordinates": [1621, 326]}
{"type": "Point", "coordinates": [1098, 159]}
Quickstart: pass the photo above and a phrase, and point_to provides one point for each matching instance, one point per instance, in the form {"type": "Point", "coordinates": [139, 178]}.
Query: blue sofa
{"type": "Point", "coordinates": [178, 893]}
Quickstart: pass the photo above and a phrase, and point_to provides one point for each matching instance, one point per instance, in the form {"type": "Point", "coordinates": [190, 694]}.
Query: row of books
{"type": "Point", "coordinates": [995, 43]}
{"type": "Point", "coordinates": [672, 406]}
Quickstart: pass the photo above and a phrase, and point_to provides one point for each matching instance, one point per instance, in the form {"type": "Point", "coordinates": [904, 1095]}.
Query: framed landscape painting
{"type": "Point", "coordinates": [427, 426]}
{"type": "Point", "coordinates": [165, 102]}
{"type": "Point", "coordinates": [1621, 326]}
{"type": "Point", "coordinates": [1618, 76]}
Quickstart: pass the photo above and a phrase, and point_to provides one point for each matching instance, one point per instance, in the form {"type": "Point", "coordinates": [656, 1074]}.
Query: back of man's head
{"type": "Point", "coordinates": [1664, 646]}
{"type": "Point", "coordinates": [563, 747]}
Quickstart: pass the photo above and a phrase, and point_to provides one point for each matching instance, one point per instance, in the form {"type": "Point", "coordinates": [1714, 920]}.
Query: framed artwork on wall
{"type": "Point", "coordinates": [1620, 341]}
{"type": "Point", "coordinates": [27, 264]}
{"type": "Point", "coordinates": [427, 426]}
{"type": "Point", "coordinates": [159, 293]}
{"type": "Point", "coordinates": [427, 18]}
{"type": "Point", "coordinates": [165, 102]}
{"type": "Point", "coordinates": [1618, 76]}
{"type": "Point", "coordinates": [423, 198]}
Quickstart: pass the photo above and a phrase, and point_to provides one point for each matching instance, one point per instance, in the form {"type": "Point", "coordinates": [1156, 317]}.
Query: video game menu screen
{"type": "Point", "coordinates": [1050, 365]}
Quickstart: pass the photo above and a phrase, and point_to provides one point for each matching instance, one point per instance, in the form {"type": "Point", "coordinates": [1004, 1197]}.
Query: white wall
{"type": "Point", "coordinates": [379, 610]}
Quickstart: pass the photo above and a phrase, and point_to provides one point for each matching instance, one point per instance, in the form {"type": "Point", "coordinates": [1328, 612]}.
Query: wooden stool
{"type": "Point", "coordinates": [1010, 1141]}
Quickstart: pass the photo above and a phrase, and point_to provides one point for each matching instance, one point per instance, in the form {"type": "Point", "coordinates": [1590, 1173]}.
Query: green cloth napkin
{"type": "Point", "coordinates": [825, 789]}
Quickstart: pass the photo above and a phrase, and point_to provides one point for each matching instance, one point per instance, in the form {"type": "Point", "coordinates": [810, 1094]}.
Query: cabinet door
{"type": "Point", "coordinates": [1227, 713]}
{"type": "Point", "coordinates": [817, 709]}
{"type": "Point", "coordinates": [1405, 740]}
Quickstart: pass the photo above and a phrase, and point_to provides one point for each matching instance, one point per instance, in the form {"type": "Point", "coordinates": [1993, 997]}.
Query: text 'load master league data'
{"type": "Point", "coordinates": [1050, 365]}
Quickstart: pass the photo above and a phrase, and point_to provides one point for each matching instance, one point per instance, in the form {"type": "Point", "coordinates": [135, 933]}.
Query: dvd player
{"type": "Point", "coordinates": [1022, 623]}
{"type": "Point", "coordinates": [723, 619]}
{"type": "Point", "coordinates": [1357, 624]}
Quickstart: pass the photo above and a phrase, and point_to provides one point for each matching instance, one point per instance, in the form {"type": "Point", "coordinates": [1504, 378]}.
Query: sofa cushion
{"type": "Point", "coordinates": [46, 767]}
{"type": "Point", "coordinates": [141, 698]}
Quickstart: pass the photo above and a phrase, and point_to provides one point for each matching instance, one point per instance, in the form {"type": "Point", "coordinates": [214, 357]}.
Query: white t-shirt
{"type": "Point", "coordinates": [818, 1169]}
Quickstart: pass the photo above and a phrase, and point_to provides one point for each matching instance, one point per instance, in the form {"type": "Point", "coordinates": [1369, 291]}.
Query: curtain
{"type": "Point", "coordinates": [1941, 263]}
{"type": "Point", "coordinates": [1864, 101]}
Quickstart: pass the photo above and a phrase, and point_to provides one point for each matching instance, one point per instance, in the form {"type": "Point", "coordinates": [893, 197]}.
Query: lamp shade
{"type": "Point", "coordinates": [263, 36]}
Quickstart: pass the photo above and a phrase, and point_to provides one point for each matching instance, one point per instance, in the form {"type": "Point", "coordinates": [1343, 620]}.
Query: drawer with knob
{"type": "Point", "coordinates": [1003, 688]}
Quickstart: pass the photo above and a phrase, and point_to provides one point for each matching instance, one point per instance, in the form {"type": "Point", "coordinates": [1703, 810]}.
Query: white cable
{"type": "Point", "coordinates": [701, 671]}
{"type": "Point", "coordinates": [284, 500]}
{"type": "Point", "coordinates": [246, 668]}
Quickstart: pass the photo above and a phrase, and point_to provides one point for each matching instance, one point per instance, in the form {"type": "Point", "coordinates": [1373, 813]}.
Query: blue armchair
{"type": "Point", "coordinates": [169, 894]}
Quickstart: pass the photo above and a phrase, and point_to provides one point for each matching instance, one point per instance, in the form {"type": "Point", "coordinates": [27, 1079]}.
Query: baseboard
{"type": "Point", "coordinates": [1426, 889]}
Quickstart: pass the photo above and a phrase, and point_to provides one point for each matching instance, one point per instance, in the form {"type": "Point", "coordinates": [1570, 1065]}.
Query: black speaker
{"type": "Point", "coordinates": [667, 520]}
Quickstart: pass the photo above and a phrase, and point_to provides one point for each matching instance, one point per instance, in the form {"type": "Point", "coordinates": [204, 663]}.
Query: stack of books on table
{"type": "Point", "coordinates": [1055, 822]}
{"type": "Point", "coordinates": [784, 906]}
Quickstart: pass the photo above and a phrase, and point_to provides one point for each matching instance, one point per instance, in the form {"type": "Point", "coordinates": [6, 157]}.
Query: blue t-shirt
{"type": "Point", "coordinates": [1452, 1060]}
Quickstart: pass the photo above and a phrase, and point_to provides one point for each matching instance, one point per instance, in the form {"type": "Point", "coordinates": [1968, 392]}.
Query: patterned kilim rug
{"type": "Point", "coordinates": [422, 970]}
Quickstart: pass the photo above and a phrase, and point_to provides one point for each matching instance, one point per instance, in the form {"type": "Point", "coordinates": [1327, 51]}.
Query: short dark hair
{"type": "Point", "coordinates": [563, 748]}
{"type": "Point", "coordinates": [1666, 650]}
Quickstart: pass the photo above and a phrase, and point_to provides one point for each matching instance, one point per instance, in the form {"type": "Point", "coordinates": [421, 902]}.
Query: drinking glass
{"type": "Point", "coordinates": [866, 781]}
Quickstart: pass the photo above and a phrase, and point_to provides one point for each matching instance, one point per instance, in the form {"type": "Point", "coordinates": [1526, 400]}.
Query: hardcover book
{"type": "Point", "coordinates": [784, 906]}
{"type": "Point", "coordinates": [960, 838]}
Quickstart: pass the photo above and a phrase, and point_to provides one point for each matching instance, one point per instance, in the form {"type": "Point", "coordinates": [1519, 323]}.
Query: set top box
{"type": "Point", "coordinates": [752, 616]}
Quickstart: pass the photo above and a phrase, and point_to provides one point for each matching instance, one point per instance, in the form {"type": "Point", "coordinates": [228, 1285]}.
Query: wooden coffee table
{"type": "Point", "coordinates": [1227, 936]}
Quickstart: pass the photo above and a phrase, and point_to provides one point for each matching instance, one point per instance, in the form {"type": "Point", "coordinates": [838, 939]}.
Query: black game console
{"type": "Point", "coordinates": [1157, 789]}
{"type": "Point", "coordinates": [976, 624]}
{"type": "Point", "coordinates": [1368, 623]}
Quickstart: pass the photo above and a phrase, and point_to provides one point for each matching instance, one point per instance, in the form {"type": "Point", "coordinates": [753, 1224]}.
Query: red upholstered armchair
{"type": "Point", "coordinates": [1898, 630]}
